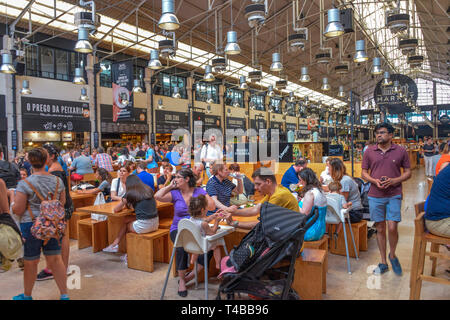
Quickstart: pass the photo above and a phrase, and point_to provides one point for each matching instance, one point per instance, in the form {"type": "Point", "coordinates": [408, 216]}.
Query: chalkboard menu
{"type": "Point", "coordinates": [136, 124]}
{"type": "Point", "coordinates": [169, 121]}
{"type": "Point", "coordinates": [207, 121]}
{"type": "Point", "coordinates": [236, 123]}
{"type": "Point", "coordinates": [335, 150]}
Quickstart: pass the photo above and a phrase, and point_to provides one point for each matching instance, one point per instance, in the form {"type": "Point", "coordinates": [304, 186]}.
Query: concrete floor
{"type": "Point", "coordinates": [105, 276]}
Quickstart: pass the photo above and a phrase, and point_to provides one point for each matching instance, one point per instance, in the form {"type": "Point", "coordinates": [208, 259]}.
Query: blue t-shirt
{"type": "Point", "coordinates": [82, 165]}
{"type": "Point", "coordinates": [289, 177]}
{"type": "Point", "coordinates": [439, 198]}
{"type": "Point", "coordinates": [153, 164]}
{"type": "Point", "coordinates": [147, 178]}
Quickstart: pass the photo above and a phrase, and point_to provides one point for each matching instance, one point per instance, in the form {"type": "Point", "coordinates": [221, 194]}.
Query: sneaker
{"type": "Point", "coordinates": [22, 297]}
{"type": "Point", "coordinates": [396, 266]}
{"type": "Point", "coordinates": [382, 268]}
{"type": "Point", "coordinates": [44, 275]}
{"type": "Point", "coordinates": [64, 297]}
{"type": "Point", "coordinates": [112, 249]}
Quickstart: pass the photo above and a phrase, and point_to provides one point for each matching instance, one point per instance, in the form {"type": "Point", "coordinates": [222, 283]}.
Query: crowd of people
{"type": "Point", "coordinates": [145, 175]}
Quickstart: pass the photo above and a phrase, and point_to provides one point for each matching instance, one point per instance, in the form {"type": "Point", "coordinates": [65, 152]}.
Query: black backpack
{"type": "Point", "coordinates": [9, 174]}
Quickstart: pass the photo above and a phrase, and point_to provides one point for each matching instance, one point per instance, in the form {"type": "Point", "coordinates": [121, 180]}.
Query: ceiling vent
{"type": "Point", "coordinates": [415, 61]}
{"type": "Point", "coordinates": [408, 45]}
{"type": "Point", "coordinates": [397, 21]}
{"type": "Point", "coordinates": [219, 64]}
{"type": "Point", "coordinates": [342, 68]}
{"type": "Point", "coordinates": [297, 40]}
{"type": "Point", "coordinates": [256, 13]}
{"type": "Point", "coordinates": [167, 48]}
{"type": "Point", "coordinates": [324, 55]}
{"type": "Point", "coordinates": [83, 19]}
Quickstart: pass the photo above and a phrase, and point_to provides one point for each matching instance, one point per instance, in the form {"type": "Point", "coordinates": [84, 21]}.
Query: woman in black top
{"type": "Point", "coordinates": [140, 197]}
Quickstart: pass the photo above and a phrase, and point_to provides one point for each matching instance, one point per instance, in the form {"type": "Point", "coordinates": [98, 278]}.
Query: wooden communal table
{"type": "Point", "coordinates": [115, 219]}
{"type": "Point", "coordinates": [82, 199]}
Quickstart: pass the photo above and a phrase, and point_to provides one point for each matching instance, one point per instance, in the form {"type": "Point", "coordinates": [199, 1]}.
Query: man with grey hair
{"type": "Point", "coordinates": [103, 160]}
{"type": "Point", "coordinates": [197, 169]}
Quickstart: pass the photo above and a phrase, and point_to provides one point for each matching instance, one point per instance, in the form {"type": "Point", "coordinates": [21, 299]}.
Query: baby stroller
{"type": "Point", "coordinates": [278, 236]}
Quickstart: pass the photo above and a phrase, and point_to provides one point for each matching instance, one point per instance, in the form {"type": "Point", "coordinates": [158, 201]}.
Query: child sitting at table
{"type": "Point", "coordinates": [335, 188]}
{"type": "Point", "coordinates": [198, 210]}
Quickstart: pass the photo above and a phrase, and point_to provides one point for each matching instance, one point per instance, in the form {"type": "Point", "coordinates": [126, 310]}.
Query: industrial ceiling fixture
{"type": "Point", "coordinates": [325, 85]}
{"type": "Point", "coordinates": [252, 105]}
{"type": "Point", "coordinates": [84, 96]}
{"type": "Point", "coordinates": [7, 64]}
{"type": "Point", "coordinates": [270, 91]}
{"type": "Point", "coordinates": [137, 86]}
{"type": "Point", "coordinates": [376, 67]}
{"type": "Point", "coordinates": [160, 104]}
{"type": "Point", "coordinates": [176, 93]}
{"type": "Point", "coordinates": [236, 103]}
{"type": "Point", "coordinates": [219, 64]}
{"type": "Point", "coordinates": [324, 55]}
{"type": "Point", "coordinates": [306, 101]}
{"type": "Point", "coordinates": [341, 93]}
{"type": "Point", "coordinates": [291, 97]}
{"type": "Point", "coordinates": [79, 79]}
{"type": "Point", "coordinates": [154, 62]}
{"type": "Point", "coordinates": [168, 20]}
{"type": "Point", "coordinates": [256, 13]}
{"type": "Point", "coordinates": [334, 27]}
{"type": "Point", "coordinates": [297, 40]}
{"type": "Point", "coordinates": [255, 75]}
{"type": "Point", "coordinates": [342, 68]}
{"type": "Point", "coordinates": [281, 84]}
{"type": "Point", "coordinates": [25, 88]}
{"type": "Point", "coordinates": [407, 45]}
{"type": "Point", "coordinates": [395, 20]}
{"type": "Point", "coordinates": [396, 88]}
{"type": "Point", "coordinates": [243, 83]}
{"type": "Point", "coordinates": [208, 74]}
{"type": "Point", "coordinates": [276, 62]}
{"type": "Point", "coordinates": [83, 45]}
{"type": "Point", "coordinates": [168, 47]}
{"type": "Point", "coordinates": [232, 47]}
{"type": "Point", "coordinates": [415, 60]}
{"type": "Point", "coordinates": [304, 75]}
{"type": "Point", "coordinates": [360, 55]}
{"type": "Point", "coordinates": [386, 79]}
{"type": "Point", "coordinates": [208, 109]}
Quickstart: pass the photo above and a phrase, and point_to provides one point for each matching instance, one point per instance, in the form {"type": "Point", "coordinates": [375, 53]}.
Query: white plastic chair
{"type": "Point", "coordinates": [337, 214]}
{"type": "Point", "coordinates": [190, 238]}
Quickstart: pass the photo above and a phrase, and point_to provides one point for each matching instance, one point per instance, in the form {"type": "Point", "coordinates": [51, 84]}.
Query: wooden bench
{"type": "Point", "coordinates": [360, 235]}
{"type": "Point", "coordinates": [144, 249]}
{"type": "Point", "coordinates": [321, 244]}
{"type": "Point", "coordinates": [310, 276]}
{"type": "Point", "coordinates": [92, 233]}
{"type": "Point", "coordinates": [73, 223]}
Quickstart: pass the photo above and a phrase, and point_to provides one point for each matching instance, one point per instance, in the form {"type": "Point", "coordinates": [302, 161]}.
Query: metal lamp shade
{"type": "Point", "coordinates": [360, 55]}
{"type": "Point", "coordinates": [154, 62]}
{"type": "Point", "coordinates": [232, 48]}
{"type": "Point", "coordinates": [208, 74]}
{"type": "Point", "coordinates": [396, 88]}
{"type": "Point", "coordinates": [270, 91]}
{"type": "Point", "coordinates": [84, 96]}
{"type": "Point", "coordinates": [341, 93]}
{"type": "Point", "coordinates": [176, 93]}
{"type": "Point", "coordinates": [209, 98]}
{"type": "Point", "coordinates": [276, 63]}
{"type": "Point", "coordinates": [304, 75]}
{"type": "Point", "coordinates": [376, 68]}
{"type": "Point", "coordinates": [7, 65]}
{"type": "Point", "coordinates": [83, 45]}
{"type": "Point", "coordinates": [78, 79]}
{"type": "Point", "coordinates": [386, 80]}
{"type": "Point", "coordinates": [137, 86]}
{"type": "Point", "coordinates": [25, 88]}
{"type": "Point", "coordinates": [334, 27]}
{"type": "Point", "coordinates": [168, 20]}
{"type": "Point", "coordinates": [325, 85]}
{"type": "Point", "coordinates": [243, 83]}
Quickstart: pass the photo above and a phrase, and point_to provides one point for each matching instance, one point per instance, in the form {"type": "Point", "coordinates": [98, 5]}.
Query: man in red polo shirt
{"type": "Point", "coordinates": [384, 161]}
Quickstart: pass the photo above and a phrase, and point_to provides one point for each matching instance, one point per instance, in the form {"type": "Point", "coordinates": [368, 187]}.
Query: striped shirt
{"type": "Point", "coordinates": [103, 160]}
{"type": "Point", "coordinates": [220, 189]}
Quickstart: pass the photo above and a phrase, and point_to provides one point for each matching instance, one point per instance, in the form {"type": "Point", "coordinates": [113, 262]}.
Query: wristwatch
{"type": "Point", "coordinates": [235, 223]}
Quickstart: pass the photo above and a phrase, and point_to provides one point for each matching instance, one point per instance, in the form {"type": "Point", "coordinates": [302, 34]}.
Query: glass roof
{"type": "Point", "coordinates": [42, 12]}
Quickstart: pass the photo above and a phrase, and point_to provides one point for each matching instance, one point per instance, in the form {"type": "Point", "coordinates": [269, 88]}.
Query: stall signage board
{"type": "Point", "coordinates": [258, 124]}
{"type": "Point", "coordinates": [122, 85]}
{"type": "Point", "coordinates": [54, 115]}
{"type": "Point", "coordinates": [291, 127]}
{"type": "Point", "coordinates": [276, 125]}
{"type": "Point", "coordinates": [335, 150]}
{"type": "Point", "coordinates": [169, 121]}
{"type": "Point", "coordinates": [385, 96]}
{"type": "Point", "coordinates": [236, 123]}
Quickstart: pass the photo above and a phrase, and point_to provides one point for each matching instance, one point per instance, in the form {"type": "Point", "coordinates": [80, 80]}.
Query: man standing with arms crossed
{"type": "Point", "coordinates": [384, 161]}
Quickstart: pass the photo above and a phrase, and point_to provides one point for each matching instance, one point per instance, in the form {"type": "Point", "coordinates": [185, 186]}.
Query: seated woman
{"type": "Point", "coordinates": [118, 185]}
{"type": "Point", "coordinates": [437, 214]}
{"type": "Point", "coordinates": [325, 176]}
{"type": "Point", "coordinates": [140, 197]}
{"type": "Point", "coordinates": [166, 178]}
{"type": "Point", "coordinates": [249, 188]}
{"type": "Point", "coordinates": [105, 184]}
{"type": "Point", "coordinates": [312, 196]}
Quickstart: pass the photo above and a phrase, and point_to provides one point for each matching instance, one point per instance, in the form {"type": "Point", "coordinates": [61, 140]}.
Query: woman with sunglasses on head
{"type": "Point", "coordinates": [179, 192]}
{"type": "Point", "coordinates": [118, 185]}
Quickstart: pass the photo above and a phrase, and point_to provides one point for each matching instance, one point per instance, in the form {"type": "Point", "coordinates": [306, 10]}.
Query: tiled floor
{"type": "Point", "coordinates": [105, 276]}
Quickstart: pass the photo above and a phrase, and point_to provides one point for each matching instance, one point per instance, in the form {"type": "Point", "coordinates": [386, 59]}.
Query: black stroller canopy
{"type": "Point", "coordinates": [279, 223]}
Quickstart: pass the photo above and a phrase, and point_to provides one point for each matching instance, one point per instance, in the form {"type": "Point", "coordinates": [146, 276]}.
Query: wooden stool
{"type": "Point", "coordinates": [144, 249]}
{"type": "Point", "coordinates": [73, 223]}
{"type": "Point", "coordinates": [359, 230]}
{"type": "Point", "coordinates": [310, 276]}
{"type": "Point", "coordinates": [165, 223]}
{"type": "Point", "coordinates": [421, 239]}
{"type": "Point", "coordinates": [321, 244]}
{"type": "Point", "coordinates": [92, 233]}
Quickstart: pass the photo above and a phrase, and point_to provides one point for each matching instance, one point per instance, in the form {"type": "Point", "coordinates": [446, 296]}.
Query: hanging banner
{"type": "Point", "coordinates": [385, 96]}
{"type": "Point", "coordinates": [122, 85]}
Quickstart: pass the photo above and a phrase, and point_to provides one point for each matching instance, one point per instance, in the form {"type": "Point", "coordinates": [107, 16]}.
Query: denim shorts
{"type": "Point", "coordinates": [32, 246]}
{"type": "Point", "coordinates": [382, 209]}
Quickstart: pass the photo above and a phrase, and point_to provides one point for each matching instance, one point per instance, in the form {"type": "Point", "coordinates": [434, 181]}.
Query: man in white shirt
{"type": "Point", "coordinates": [211, 153]}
